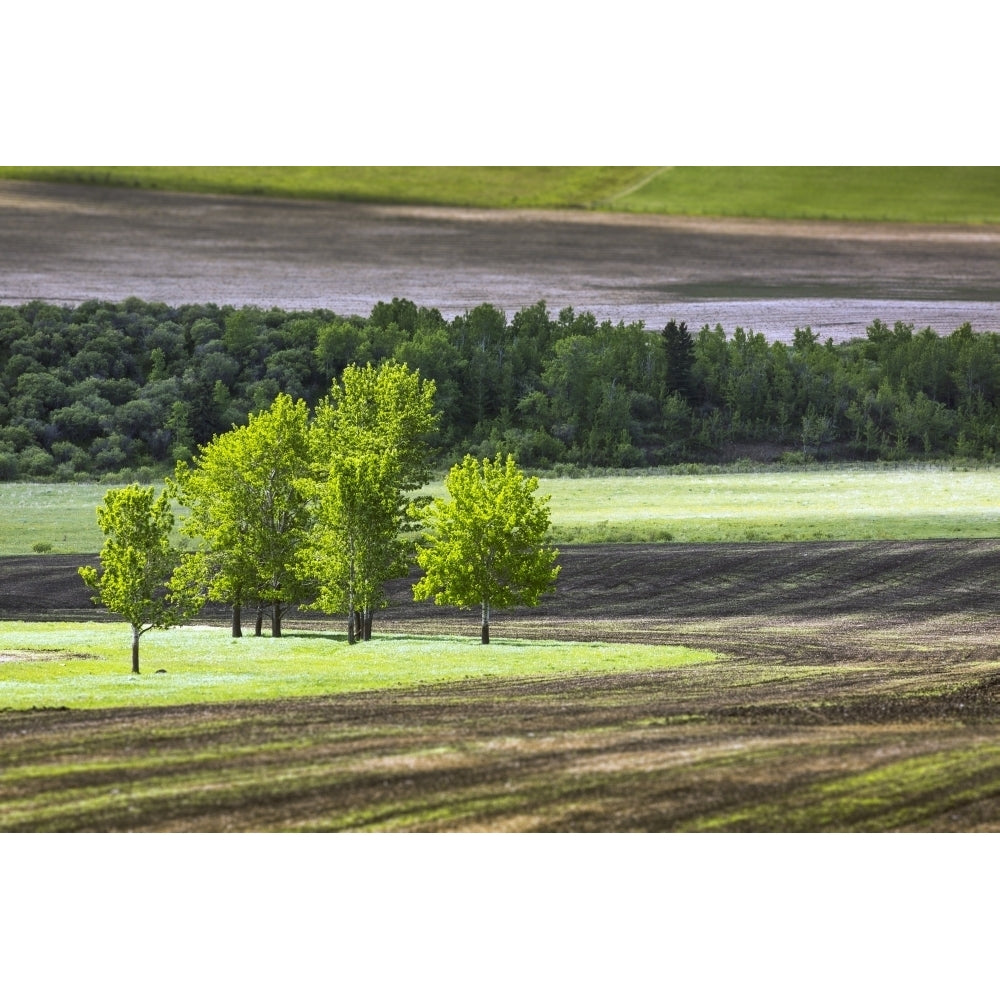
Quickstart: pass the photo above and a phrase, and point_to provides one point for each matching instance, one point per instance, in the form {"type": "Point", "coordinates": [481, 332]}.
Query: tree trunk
{"type": "Point", "coordinates": [258, 628]}
{"type": "Point", "coordinates": [369, 615]}
{"type": "Point", "coordinates": [352, 637]}
{"type": "Point", "coordinates": [276, 620]}
{"type": "Point", "coordinates": [237, 622]}
{"type": "Point", "coordinates": [486, 623]}
{"type": "Point", "coordinates": [135, 650]}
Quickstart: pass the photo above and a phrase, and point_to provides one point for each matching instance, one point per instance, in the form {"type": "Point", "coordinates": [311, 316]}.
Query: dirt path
{"type": "Point", "coordinates": [68, 243]}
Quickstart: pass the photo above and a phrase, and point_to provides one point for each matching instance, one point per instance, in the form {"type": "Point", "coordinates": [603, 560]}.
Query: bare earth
{"type": "Point", "coordinates": [66, 243]}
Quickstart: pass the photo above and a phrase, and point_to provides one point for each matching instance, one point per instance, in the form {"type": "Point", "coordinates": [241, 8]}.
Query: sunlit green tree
{"type": "Point", "coordinates": [138, 563]}
{"type": "Point", "coordinates": [486, 546]}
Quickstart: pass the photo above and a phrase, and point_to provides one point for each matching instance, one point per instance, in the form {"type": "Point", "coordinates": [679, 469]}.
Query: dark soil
{"type": "Point", "coordinates": [825, 602]}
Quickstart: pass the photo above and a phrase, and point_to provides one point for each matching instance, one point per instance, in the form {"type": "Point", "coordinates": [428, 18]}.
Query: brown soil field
{"type": "Point", "coordinates": [859, 690]}
{"type": "Point", "coordinates": [68, 243]}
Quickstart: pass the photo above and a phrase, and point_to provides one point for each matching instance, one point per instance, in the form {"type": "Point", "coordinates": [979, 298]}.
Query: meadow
{"type": "Point", "coordinates": [921, 194]}
{"type": "Point", "coordinates": [820, 503]}
{"type": "Point", "coordinates": [968, 195]}
{"type": "Point", "coordinates": [86, 665]}
{"type": "Point", "coordinates": [469, 186]}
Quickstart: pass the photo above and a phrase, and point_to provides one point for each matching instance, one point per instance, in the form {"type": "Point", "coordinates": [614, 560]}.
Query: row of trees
{"type": "Point", "coordinates": [316, 509]}
{"type": "Point", "coordinates": [109, 389]}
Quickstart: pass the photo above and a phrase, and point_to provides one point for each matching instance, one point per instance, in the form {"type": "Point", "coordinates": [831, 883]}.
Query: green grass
{"type": "Point", "coordinates": [820, 503]}
{"type": "Point", "coordinates": [894, 796]}
{"type": "Point", "coordinates": [481, 187]}
{"type": "Point", "coordinates": [63, 515]}
{"type": "Point", "coordinates": [898, 194]}
{"type": "Point", "coordinates": [89, 665]}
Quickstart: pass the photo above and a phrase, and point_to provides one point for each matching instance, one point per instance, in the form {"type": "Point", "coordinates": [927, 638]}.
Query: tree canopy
{"type": "Point", "coordinates": [486, 545]}
{"type": "Point", "coordinates": [121, 391]}
{"type": "Point", "coordinates": [369, 447]}
{"type": "Point", "coordinates": [138, 563]}
{"type": "Point", "coordinates": [246, 501]}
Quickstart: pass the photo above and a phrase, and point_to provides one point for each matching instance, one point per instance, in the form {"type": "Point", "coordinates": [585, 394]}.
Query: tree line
{"type": "Point", "coordinates": [317, 508]}
{"type": "Point", "coordinates": [107, 391]}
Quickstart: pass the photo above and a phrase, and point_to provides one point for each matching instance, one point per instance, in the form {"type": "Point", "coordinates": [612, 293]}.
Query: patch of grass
{"type": "Point", "coordinates": [907, 793]}
{"type": "Point", "coordinates": [60, 515]}
{"type": "Point", "coordinates": [54, 665]}
{"type": "Point", "coordinates": [896, 194]}
{"type": "Point", "coordinates": [882, 193]}
{"type": "Point", "coordinates": [819, 503]}
{"type": "Point", "coordinates": [480, 187]}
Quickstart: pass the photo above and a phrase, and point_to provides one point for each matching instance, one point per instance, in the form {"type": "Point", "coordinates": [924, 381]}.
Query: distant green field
{"type": "Point", "coordinates": [89, 665]}
{"type": "Point", "coordinates": [821, 503]}
{"type": "Point", "coordinates": [895, 194]}
{"type": "Point", "coordinates": [481, 187]}
{"type": "Point", "coordinates": [898, 194]}
{"type": "Point", "coordinates": [839, 504]}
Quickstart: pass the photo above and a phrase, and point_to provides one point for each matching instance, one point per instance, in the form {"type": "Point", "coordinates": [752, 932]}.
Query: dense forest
{"type": "Point", "coordinates": [111, 390]}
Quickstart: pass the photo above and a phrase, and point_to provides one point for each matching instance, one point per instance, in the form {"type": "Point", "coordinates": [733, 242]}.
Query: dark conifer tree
{"type": "Point", "coordinates": [679, 346]}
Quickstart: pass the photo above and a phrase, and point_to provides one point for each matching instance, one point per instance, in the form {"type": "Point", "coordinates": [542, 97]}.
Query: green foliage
{"type": "Point", "coordinates": [486, 546]}
{"type": "Point", "coordinates": [355, 546]}
{"type": "Point", "coordinates": [368, 445]}
{"type": "Point", "coordinates": [138, 563]}
{"type": "Point", "coordinates": [105, 390]}
{"type": "Point", "coordinates": [246, 503]}
{"type": "Point", "coordinates": [387, 407]}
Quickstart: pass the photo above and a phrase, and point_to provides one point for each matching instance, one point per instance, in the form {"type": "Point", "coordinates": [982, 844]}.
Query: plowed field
{"type": "Point", "coordinates": [69, 243]}
{"type": "Point", "coordinates": [860, 691]}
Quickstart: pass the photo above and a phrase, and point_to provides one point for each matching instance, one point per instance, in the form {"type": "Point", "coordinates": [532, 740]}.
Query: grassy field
{"type": "Point", "coordinates": [479, 187]}
{"type": "Point", "coordinates": [88, 665]}
{"type": "Point", "coordinates": [885, 193]}
{"type": "Point", "coordinates": [892, 194]}
{"type": "Point", "coordinates": [821, 503]}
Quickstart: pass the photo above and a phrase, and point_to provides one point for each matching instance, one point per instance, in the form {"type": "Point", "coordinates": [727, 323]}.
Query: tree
{"type": "Point", "coordinates": [679, 345]}
{"type": "Point", "coordinates": [356, 545]}
{"type": "Point", "coordinates": [388, 407]}
{"type": "Point", "coordinates": [138, 564]}
{"type": "Point", "coordinates": [369, 449]}
{"type": "Point", "coordinates": [486, 546]}
{"type": "Point", "coordinates": [246, 503]}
